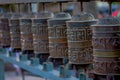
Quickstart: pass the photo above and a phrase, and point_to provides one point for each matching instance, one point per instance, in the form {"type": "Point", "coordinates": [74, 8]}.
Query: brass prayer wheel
{"type": "Point", "coordinates": [40, 32]}
{"type": "Point", "coordinates": [0, 31]}
{"type": "Point", "coordinates": [5, 30]}
{"type": "Point", "coordinates": [106, 38]}
{"type": "Point", "coordinates": [15, 31]}
{"type": "Point", "coordinates": [80, 38]}
{"type": "Point", "coordinates": [57, 30]}
{"type": "Point", "coordinates": [106, 46]}
{"type": "Point", "coordinates": [26, 32]}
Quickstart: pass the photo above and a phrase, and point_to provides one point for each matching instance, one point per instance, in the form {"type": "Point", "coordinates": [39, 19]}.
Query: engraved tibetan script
{"type": "Point", "coordinates": [58, 31]}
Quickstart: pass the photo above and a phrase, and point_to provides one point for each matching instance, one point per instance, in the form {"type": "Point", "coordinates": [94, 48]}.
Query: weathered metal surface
{"type": "Point", "coordinates": [40, 32]}
{"type": "Point", "coordinates": [106, 43]}
{"type": "Point", "coordinates": [15, 31]}
{"type": "Point", "coordinates": [0, 31]}
{"type": "Point", "coordinates": [5, 30]}
{"type": "Point", "coordinates": [40, 35]}
{"type": "Point", "coordinates": [26, 33]}
{"type": "Point", "coordinates": [106, 46]}
{"type": "Point", "coordinates": [57, 29]}
{"type": "Point", "coordinates": [106, 66]}
{"type": "Point", "coordinates": [80, 39]}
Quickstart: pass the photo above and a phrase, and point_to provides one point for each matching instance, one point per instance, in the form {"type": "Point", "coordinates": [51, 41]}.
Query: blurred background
{"type": "Point", "coordinates": [102, 7]}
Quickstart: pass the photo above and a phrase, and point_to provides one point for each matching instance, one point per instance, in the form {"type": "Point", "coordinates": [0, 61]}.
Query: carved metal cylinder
{"type": "Point", "coordinates": [106, 46]}
{"type": "Point", "coordinates": [106, 41]}
{"type": "Point", "coordinates": [80, 39]}
{"type": "Point", "coordinates": [57, 29]}
{"type": "Point", "coordinates": [26, 33]}
{"type": "Point", "coordinates": [5, 30]}
{"type": "Point", "coordinates": [15, 31]}
{"type": "Point", "coordinates": [40, 32]}
{"type": "Point", "coordinates": [0, 30]}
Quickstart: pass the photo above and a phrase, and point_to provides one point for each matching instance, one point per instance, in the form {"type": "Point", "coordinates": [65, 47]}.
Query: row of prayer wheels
{"type": "Point", "coordinates": [61, 36]}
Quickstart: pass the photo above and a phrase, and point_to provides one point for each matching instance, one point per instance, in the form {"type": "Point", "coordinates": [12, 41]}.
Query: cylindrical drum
{"type": "Point", "coordinates": [0, 31]}
{"type": "Point", "coordinates": [79, 36]}
{"type": "Point", "coordinates": [26, 34]}
{"type": "Point", "coordinates": [57, 29]}
{"type": "Point", "coordinates": [15, 31]}
{"type": "Point", "coordinates": [106, 46]}
{"type": "Point", "coordinates": [40, 32]}
{"type": "Point", "coordinates": [40, 35]}
{"type": "Point", "coordinates": [5, 30]}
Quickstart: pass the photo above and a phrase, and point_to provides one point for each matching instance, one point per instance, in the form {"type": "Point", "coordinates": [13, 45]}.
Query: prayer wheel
{"type": "Point", "coordinates": [106, 46]}
{"type": "Point", "coordinates": [26, 34]}
{"type": "Point", "coordinates": [5, 30]}
{"type": "Point", "coordinates": [57, 29]}
{"type": "Point", "coordinates": [15, 32]}
{"type": "Point", "coordinates": [79, 36]}
{"type": "Point", "coordinates": [40, 34]}
{"type": "Point", "coordinates": [0, 30]}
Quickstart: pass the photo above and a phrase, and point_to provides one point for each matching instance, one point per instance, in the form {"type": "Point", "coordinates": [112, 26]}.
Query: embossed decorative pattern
{"type": "Point", "coordinates": [15, 33]}
{"type": "Point", "coordinates": [26, 34]}
{"type": "Point", "coordinates": [79, 43]}
{"type": "Point", "coordinates": [58, 46]}
{"type": "Point", "coordinates": [107, 66]}
{"type": "Point", "coordinates": [106, 41]}
{"type": "Point", "coordinates": [5, 32]}
{"type": "Point", "coordinates": [40, 36]}
{"type": "Point", "coordinates": [106, 46]}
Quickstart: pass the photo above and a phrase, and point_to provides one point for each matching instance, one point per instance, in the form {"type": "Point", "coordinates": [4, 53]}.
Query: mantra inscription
{"type": "Point", "coordinates": [15, 41]}
{"type": "Point", "coordinates": [27, 44]}
{"type": "Point", "coordinates": [41, 46]}
{"type": "Point", "coordinates": [26, 34]}
{"type": "Point", "coordinates": [57, 31]}
{"type": "Point", "coordinates": [40, 30]}
{"type": "Point", "coordinates": [80, 44]}
{"type": "Point", "coordinates": [106, 43]}
{"type": "Point", "coordinates": [58, 50]}
{"type": "Point", "coordinates": [78, 34]}
{"type": "Point", "coordinates": [26, 29]}
{"type": "Point", "coordinates": [40, 36]}
{"type": "Point", "coordinates": [15, 29]}
{"type": "Point", "coordinates": [5, 32]}
{"type": "Point", "coordinates": [15, 33]}
{"type": "Point", "coordinates": [81, 55]}
{"type": "Point", "coordinates": [110, 67]}
{"type": "Point", "coordinates": [58, 46]}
